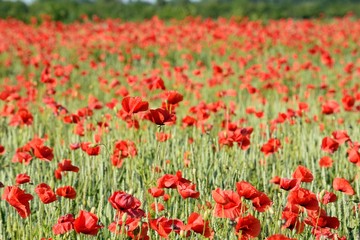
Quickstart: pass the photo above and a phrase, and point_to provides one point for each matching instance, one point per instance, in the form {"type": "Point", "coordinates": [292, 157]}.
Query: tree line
{"type": "Point", "coordinates": [134, 10]}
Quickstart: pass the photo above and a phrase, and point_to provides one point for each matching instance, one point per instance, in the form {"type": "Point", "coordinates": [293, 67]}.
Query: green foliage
{"type": "Point", "coordinates": [72, 10]}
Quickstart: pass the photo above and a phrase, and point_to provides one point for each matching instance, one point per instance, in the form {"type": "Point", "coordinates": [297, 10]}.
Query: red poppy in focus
{"type": "Point", "coordinates": [291, 216]}
{"type": "Point", "coordinates": [66, 192]}
{"type": "Point", "coordinates": [304, 198]}
{"type": "Point", "coordinates": [247, 227]}
{"type": "Point", "coordinates": [45, 193]}
{"type": "Point", "coordinates": [187, 190]}
{"type": "Point", "coordinates": [22, 178]}
{"type": "Point", "coordinates": [262, 202]}
{"type": "Point", "coordinates": [133, 105]}
{"type": "Point", "coordinates": [64, 224]}
{"type": "Point", "coordinates": [17, 198]}
{"type": "Point", "coordinates": [329, 145]}
{"type": "Point", "coordinates": [127, 203]}
{"type": "Point", "coordinates": [289, 184]}
{"type": "Point", "coordinates": [319, 219]}
{"type": "Point", "coordinates": [171, 181]}
{"type": "Point", "coordinates": [303, 174]}
{"type": "Point", "coordinates": [164, 226]}
{"type": "Point", "coordinates": [87, 223]}
{"type": "Point", "coordinates": [228, 204]}
{"type": "Point", "coordinates": [342, 185]}
{"type": "Point", "coordinates": [197, 224]}
{"type": "Point", "coordinates": [132, 228]}
{"type": "Point", "coordinates": [246, 190]}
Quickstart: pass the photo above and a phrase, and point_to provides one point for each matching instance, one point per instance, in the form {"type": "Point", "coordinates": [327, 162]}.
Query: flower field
{"type": "Point", "coordinates": [184, 129]}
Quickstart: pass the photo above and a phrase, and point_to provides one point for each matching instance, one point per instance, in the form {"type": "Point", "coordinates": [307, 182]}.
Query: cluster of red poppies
{"type": "Point", "coordinates": [228, 87]}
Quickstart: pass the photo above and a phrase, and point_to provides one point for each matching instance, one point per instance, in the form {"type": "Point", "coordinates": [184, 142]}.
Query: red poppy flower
{"type": "Point", "coordinates": [156, 192]}
{"type": "Point", "coordinates": [172, 97]}
{"type": "Point", "coordinates": [22, 178]}
{"type": "Point", "coordinates": [328, 197]}
{"type": "Point", "coordinates": [164, 226]}
{"type": "Point", "coordinates": [325, 162]}
{"type": "Point", "coordinates": [348, 102]}
{"type": "Point", "coordinates": [64, 224]}
{"type": "Point", "coordinates": [17, 198]}
{"type": "Point", "coordinates": [171, 181]}
{"type": "Point", "coordinates": [43, 152]}
{"type": "Point", "coordinates": [45, 193]}
{"type": "Point", "coordinates": [353, 155]}
{"type": "Point", "coordinates": [242, 137]}
{"type": "Point", "coordinates": [122, 150]}
{"type": "Point", "coordinates": [247, 227]}
{"type": "Point", "coordinates": [71, 118]}
{"type": "Point", "coordinates": [329, 145]}
{"type": "Point", "coordinates": [187, 190]}
{"type": "Point", "coordinates": [342, 185]}
{"type": "Point", "coordinates": [303, 174]}
{"type": "Point", "coordinates": [188, 121]}
{"type": "Point", "coordinates": [161, 116]}
{"type": "Point", "coordinates": [228, 204]}
{"type": "Point", "coordinates": [66, 192]}
{"type": "Point", "coordinates": [246, 190]}
{"type": "Point", "coordinates": [134, 105]}
{"type": "Point", "coordinates": [66, 166]}
{"type": "Point", "coordinates": [57, 174]}
{"type": "Point", "coordinates": [271, 146]}
{"type": "Point", "coordinates": [291, 216]}
{"type": "Point", "coordinates": [304, 198]}
{"type": "Point", "coordinates": [197, 224]}
{"type": "Point", "coordinates": [22, 157]}
{"type": "Point", "coordinates": [125, 202]}
{"type": "Point", "coordinates": [90, 149]}
{"type": "Point", "coordinates": [289, 184]}
{"type": "Point", "coordinates": [2, 149]}
{"type": "Point", "coordinates": [321, 220]}
{"type": "Point", "coordinates": [330, 107]}
{"type": "Point", "coordinates": [276, 180]}
{"type": "Point", "coordinates": [22, 117]}
{"type": "Point", "coordinates": [87, 223]}
{"type": "Point", "coordinates": [341, 136]}
{"type": "Point", "coordinates": [262, 202]}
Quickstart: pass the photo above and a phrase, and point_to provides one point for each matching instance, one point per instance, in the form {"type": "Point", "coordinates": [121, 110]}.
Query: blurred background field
{"type": "Point", "coordinates": [135, 10]}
